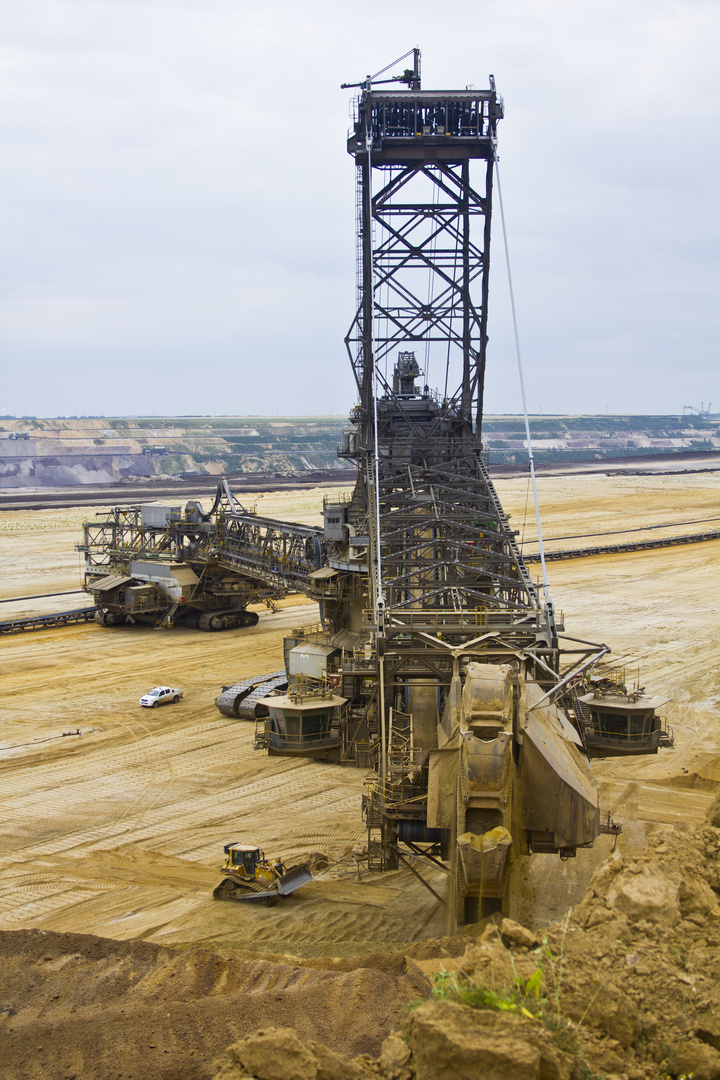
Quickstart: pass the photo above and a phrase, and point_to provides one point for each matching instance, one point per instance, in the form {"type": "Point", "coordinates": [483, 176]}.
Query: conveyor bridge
{"type": "Point", "coordinates": [227, 558]}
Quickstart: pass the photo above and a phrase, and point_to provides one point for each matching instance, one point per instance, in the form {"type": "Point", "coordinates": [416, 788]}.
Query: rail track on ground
{"type": "Point", "coordinates": [613, 549]}
{"type": "Point", "coordinates": [47, 622]}
{"type": "Point", "coordinates": [190, 488]}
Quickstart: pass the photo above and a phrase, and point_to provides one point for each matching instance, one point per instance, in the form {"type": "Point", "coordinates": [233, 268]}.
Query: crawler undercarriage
{"type": "Point", "coordinates": [164, 565]}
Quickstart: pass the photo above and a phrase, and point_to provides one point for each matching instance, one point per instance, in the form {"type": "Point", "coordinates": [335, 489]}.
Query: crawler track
{"type": "Point", "coordinates": [241, 698]}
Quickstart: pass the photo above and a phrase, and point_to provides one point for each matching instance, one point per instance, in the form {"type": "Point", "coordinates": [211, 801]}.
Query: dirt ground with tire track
{"type": "Point", "coordinates": [118, 830]}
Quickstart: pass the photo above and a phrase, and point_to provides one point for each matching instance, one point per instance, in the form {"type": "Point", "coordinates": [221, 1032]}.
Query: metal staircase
{"type": "Point", "coordinates": [168, 617]}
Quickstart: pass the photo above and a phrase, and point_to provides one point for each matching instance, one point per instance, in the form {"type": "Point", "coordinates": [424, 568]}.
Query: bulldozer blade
{"type": "Point", "coordinates": [268, 897]}
{"type": "Point", "coordinates": [293, 879]}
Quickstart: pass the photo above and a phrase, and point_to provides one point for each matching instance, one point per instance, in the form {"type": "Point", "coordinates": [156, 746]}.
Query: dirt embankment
{"type": "Point", "coordinates": [76, 1005]}
{"type": "Point", "coordinates": [625, 986]}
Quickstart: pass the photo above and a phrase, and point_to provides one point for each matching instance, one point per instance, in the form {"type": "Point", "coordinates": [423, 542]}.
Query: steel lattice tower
{"type": "Point", "coordinates": [424, 241]}
{"type": "Point", "coordinates": [424, 238]}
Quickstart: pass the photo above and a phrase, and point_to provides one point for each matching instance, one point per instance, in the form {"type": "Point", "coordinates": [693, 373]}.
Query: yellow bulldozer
{"type": "Point", "coordinates": [249, 876]}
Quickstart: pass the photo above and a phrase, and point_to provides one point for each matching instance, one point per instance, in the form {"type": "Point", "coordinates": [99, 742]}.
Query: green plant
{"type": "Point", "coordinates": [555, 963]}
{"type": "Point", "coordinates": [564, 1033]}
{"type": "Point", "coordinates": [586, 1073]}
{"type": "Point", "coordinates": [522, 998]}
{"type": "Point", "coordinates": [670, 1053]}
{"type": "Point", "coordinates": [413, 1004]}
{"type": "Point", "coordinates": [679, 955]}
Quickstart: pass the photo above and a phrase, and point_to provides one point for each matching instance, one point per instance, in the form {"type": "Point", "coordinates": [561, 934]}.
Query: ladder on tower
{"type": "Point", "coordinates": [373, 533]}
{"type": "Point", "coordinates": [583, 716]}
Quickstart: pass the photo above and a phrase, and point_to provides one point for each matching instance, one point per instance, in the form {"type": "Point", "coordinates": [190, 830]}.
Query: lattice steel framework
{"type": "Point", "coordinates": [262, 552]}
{"type": "Point", "coordinates": [424, 181]}
{"type": "Point", "coordinates": [424, 233]}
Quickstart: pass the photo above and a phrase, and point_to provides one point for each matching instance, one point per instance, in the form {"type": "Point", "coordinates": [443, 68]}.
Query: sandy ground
{"type": "Point", "coordinates": [118, 831]}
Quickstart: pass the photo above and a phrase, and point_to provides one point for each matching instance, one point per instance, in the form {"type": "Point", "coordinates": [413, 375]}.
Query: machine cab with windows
{"type": "Point", "coordinates": [618, 720]}
{"type": "Point", "coordinates": [243, 858]}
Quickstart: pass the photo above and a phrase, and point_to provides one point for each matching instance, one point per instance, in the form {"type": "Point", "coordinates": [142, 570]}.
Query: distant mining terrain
{"type": "Point", "coordinates": [69, 451]}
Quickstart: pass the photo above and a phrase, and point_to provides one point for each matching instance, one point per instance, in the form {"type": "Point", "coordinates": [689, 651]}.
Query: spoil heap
{"type": "Point", "coordinates": [625, 986]}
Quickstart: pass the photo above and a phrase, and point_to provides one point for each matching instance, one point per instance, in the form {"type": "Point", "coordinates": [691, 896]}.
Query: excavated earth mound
{"type": "Point", "coordinates": [630, 982]}
{"type": "Point", "coordinates": [628, 987]}
{"type": "Point", "coordinates": [76, 1005]}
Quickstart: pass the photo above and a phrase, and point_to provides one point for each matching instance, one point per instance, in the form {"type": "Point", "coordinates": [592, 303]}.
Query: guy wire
{"type": "Point", "coordinates": [522, 387]}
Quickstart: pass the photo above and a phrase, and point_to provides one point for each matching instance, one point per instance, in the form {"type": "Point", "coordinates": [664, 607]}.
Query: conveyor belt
{"type": "Point", "coordinates": [40, 596]}
{"type": "Point", "coordinates": [46, 622]}
{"type": "Point", "coordinates": [611, 549]}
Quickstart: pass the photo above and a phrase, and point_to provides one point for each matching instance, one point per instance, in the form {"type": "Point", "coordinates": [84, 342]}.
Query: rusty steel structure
{"type": "Point", "coordinates": [166, 564]}
{"type": "Point", "coordinates": [424, 240]}
{"type": "Point", "coordinates": [462, 658]}
{"type": "Point", "coordinates": [438, 662]}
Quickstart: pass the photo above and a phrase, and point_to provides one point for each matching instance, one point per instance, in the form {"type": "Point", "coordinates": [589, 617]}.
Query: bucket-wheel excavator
{"type": "Point", "coordinates": [441, 664]}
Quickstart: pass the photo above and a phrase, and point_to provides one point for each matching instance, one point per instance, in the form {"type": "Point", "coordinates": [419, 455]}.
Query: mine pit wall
{"type": "Point", "coordinates": [85, 450]}
{"type": "Point", "coordinates": [24, 469]}
{"type": "Point", "coordinates": [54, 452]}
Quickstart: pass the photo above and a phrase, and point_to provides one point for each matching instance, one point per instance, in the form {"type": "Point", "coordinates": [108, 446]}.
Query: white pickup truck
{"type": "Point", "coordinates": [160, 695]}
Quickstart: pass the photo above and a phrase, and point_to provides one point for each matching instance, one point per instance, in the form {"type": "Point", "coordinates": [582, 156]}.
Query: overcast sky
{"type": "Point", "coordinates": [178, 203]}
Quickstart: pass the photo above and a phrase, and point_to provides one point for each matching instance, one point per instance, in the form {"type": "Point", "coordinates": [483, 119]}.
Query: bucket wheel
{"type": "Point", "coordinates": [467, 909]}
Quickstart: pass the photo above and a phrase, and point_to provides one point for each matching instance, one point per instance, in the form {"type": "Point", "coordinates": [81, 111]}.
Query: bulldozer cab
{"type": "Point", "coordinates": [243, 858]}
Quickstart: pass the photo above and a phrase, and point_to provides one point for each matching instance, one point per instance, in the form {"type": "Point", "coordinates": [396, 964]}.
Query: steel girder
{"type": "Point", "coordinates": [266, 552]}
{"type": "Point", "coordinates": [424, 236]}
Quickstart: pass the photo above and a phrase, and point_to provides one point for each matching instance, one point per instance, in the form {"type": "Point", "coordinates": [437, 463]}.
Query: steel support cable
{"type": "Point", "coordinates": [522, 385]}
{"type": "Point", "coordinates": [379, 595]}
{"type": "Point", "coordinates": [388, 66]}
{"type": "Point", "coordinates": [527, 499]}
